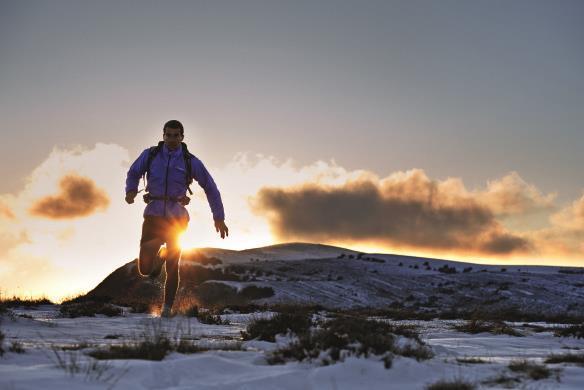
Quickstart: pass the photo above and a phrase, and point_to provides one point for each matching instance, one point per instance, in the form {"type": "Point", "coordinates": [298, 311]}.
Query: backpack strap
{"type": "Point", "coordinates": [152, 152]}
{"type": "Point", "coordinates": [188, 166]}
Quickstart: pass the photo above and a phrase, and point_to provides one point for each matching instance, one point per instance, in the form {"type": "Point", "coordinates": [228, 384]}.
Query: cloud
{"type": "Point", "coordinates": [571, 217]}
{"type": "Point", "coordinates": [406, 209]}
{"type": "Point", "coordinates": [565, 235]}
{"type": "Point", "coordinates": [10, 240]}
{"type": "Point", "coordinates": [78, 197]}
{"type": "Point", "coordinates": [60, 254]}
{"type": "Point", "coordinates": [6, 212]}
{"type": "Point", "coordinates": [512, 195]}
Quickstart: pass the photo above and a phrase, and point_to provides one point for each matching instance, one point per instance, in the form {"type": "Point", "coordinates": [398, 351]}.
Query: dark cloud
{"type": "Point", "coordinates": [406, 211]}
{"type": "Point", "coordinates": [78, 197]}
{"type": "Point", "coordinates": [502, 243]}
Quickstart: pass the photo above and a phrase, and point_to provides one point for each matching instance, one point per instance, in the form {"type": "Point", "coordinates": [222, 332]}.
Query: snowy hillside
{"type": "Point", "coordinates": [338, 278]}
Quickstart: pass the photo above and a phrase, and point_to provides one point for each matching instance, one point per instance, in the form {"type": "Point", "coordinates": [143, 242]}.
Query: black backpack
{"type": "Point", "coordinates": [153, 151]}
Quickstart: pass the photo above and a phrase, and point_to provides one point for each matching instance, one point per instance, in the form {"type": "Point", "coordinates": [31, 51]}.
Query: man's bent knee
{"type": "Point", "coordinates": [148, 251]}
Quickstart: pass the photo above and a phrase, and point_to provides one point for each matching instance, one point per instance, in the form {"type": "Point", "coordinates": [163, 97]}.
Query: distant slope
{"type": "Point", "coordinates": [288, 251]}
{"type": "Point", "coordinates": [338, 277]}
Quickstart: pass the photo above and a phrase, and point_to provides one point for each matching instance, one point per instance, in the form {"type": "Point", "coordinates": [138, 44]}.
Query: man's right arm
{"type": "Point", "coordinates": [135, 172]}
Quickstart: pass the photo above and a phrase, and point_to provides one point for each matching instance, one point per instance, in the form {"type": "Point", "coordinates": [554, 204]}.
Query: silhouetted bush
{"type": "Point", "coordinates": [206, 317]}
{"type": "Point", "coordinates": [187, 347]}
{"type": "Point", "coordinates": [217, 294]}
{"type": "Point", "coordinates": [445, 269]}
{"type": "Point", "coordinates": [457, 384]}
{"type": "Point", "coordinates": [494, 327]}
{"type": "Point", "coordinates": [89, 309]}
{"type": "Point", "coordinates": [195, 256]}
{"type": "Point", "coordinates": [255, 292]}
{"type": "Point", "coordinates": [280, 323]}
{"type": "Point", "coordinates": [20, 302]}
{"type": "Point", "coordinates": [566, 358]}
{"type": "Point", "coordinates": [577, 271]}
{"type": "Point", "coordinates": [576, 331]}
{"type": "Point", "coordinates": [348, 336]}
{"type": "Point", "coordinates": [151, 349]}
{"type": "Point", "coordinates": [533, 370]}
{"type": "Point", "coordinates": [471, 360]}
{"type": "Point", "coordinates": [197, 274]}
{"type": "Point", "coordinates": [16, 347]}
{"type": "Point", "coordinates": [243, 309]}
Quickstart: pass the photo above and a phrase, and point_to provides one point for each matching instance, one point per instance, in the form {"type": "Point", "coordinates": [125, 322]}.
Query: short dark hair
{"type": "Point", "coordinates": [174, 124]}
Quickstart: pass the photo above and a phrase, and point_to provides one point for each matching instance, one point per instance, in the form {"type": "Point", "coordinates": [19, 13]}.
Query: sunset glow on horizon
{"type": "Point", "coordinates": [47, 250]}
{"type": "Point", "coordinates": [411, 128]}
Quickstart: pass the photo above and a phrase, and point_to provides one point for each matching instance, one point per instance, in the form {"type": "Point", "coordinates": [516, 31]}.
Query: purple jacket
{"type": "Point", "coordinates": [167, 177]}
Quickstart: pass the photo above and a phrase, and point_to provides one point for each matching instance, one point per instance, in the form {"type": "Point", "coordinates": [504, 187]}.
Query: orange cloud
{"type": "Point", "coordinates": [406, 209]}
{"type": "Point", "coordinates": [78, 197]}
{"type": "Point", "coordinates": [6, 212]}
{"type": "Point", "coordinates": [571, 217]}
{"type": "Point", "coordinates": [512, 195]}
{"type": "Point", "coordinates": [10, 240]}
{"type": "Point", "coordinates": [565, 236]}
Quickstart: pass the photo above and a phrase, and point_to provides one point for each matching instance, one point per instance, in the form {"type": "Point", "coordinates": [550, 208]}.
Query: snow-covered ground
{"type": "Point", "coordinates": [42, 334]}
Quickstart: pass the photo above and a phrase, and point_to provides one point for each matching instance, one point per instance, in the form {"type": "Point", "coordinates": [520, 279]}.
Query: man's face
{"type": "Point", "coordinates": [172, 138]}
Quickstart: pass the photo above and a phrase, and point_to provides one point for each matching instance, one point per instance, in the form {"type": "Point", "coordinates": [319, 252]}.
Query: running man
{"type": "Point", "coordinates": [169, 169]}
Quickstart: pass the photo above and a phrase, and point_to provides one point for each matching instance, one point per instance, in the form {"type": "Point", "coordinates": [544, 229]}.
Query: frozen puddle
{"type": "Point", "coordinates": [43, 335]}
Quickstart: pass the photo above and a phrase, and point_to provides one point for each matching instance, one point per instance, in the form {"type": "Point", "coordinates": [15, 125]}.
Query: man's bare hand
{"type": "Point", "coordinates": [130, 196]}
{"type": "Point", "coordinates": [185, 200]}
{"type": "Point", "coordinates": [221, 228]}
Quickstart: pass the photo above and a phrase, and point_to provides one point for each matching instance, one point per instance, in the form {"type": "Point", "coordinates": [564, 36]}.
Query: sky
{"type": "Point", "coordinates": [436, 128]}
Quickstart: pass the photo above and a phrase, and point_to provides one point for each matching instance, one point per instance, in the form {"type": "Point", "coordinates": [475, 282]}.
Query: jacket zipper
{"type": "Point", "coordinates": [166, 184]}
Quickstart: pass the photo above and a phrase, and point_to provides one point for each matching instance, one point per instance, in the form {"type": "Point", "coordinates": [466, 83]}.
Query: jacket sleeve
{"type": "Point", "coordinates": [136, 171]}
{"type": "Point", "coordinates": [203, 177]}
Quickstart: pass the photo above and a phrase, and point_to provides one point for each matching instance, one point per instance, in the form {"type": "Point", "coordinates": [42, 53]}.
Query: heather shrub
{"type": "Point", "coordinates": [89, 309]}
{"type": "Point", "coordinates": [255, 292]}
{"type": "Point", "coordinates": [458, 384]}
{"type": "Point", "coordinates": [566, 358]}
{"type": "Point", "coordinates": [281, 323]}
{"type": "Point", "coordinates": [474, 326]}
{"type": "Point", "coordinates": [533, 370]}
{"type": "Point", "coordinates": [576, 331]}
{"type": "Point", "coordinates": [24, 302]}
{"type": "Point", "coordinates": [349, 336]}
